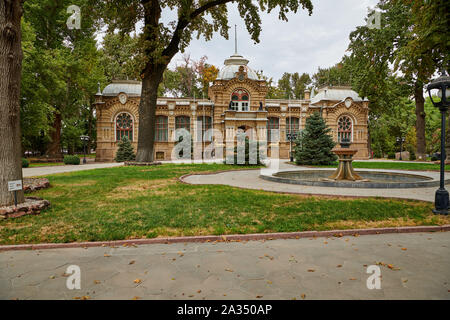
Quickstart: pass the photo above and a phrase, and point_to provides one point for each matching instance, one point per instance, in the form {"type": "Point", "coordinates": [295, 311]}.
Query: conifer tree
{"type": "Point", "coordinates": [125, 151]}
{"type": "Point", "coordinates": [314, 146]}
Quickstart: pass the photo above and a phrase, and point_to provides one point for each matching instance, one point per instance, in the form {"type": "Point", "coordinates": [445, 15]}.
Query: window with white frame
{"type": "Point", "coordinates": [240, 100]}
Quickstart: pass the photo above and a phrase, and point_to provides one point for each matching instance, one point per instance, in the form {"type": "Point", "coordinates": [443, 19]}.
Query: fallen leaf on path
{"type": "Point", "coordinates": [107, 255]}
{"type": "Point", "coordinates": [137, 280]}
{"type": "Point", "coordinates": [392, 267]}
{"type": "Point", "coordinates": [136, 298]}
{"type": "Point", "coordinates": [259, 297]}
{"type": "Point", "coordinates": [97, 281]}
{"type": "Point", "coordinates": [311, 270]}
{"type": "Point", "coordinates": [303, 296]}
{"type": "Point", "coordinates": [229, 270]}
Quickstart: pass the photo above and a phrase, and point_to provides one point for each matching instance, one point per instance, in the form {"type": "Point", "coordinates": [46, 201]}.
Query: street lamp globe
{"type": "Point", "coordinates": [439, 93]}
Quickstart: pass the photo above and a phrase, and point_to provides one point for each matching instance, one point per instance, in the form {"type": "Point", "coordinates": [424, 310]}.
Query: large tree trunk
{"type": "Point", "coordinates": [54, 148]}
{"type": "Point", "coordinates": [147, 111]}
{"type": "Point", "coordinates": [420, 122]}
{"type": "Point", "coordinates": [10, 78]}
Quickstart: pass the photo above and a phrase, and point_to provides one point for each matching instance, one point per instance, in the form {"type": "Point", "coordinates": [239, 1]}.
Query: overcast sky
{"type": "Point", "coordinates": [300, 45]}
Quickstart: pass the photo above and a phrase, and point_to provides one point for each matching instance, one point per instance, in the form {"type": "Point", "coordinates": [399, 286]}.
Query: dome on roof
{"type": "Point", "coordinates": [336, 94]}
{"type": "Point", "coordinates": [130, 87]}
{"type": "Point", "coordinates": [231, 67]}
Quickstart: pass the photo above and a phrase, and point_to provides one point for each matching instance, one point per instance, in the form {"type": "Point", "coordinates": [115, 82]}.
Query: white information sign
{"type": "Point", "coordinates": [15, 185]}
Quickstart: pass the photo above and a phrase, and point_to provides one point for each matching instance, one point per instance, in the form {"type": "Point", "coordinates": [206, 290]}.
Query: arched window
{"type": "Point", "coordinates": [272, 124]}
{"type": "Point", "coordinates": [162, 129]}
{"type": "Point", "coordinates": [345, 127]}
{"type": "Point", "coordinates": [183, 122]}
{"type": "Point", "coordinates": [292, 127]}
{"type": "Point", "coordinates": [240, 100]}
{"type": "Point", "coordinates": [124, 126]}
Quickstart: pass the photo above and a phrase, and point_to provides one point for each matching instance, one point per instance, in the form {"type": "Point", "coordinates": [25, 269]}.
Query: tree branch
{"type": "Point", "coordinates": [183, 22]}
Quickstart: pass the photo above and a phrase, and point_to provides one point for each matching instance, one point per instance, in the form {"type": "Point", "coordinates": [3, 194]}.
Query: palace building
{"type": "Point", "coordinates": [236, 100]}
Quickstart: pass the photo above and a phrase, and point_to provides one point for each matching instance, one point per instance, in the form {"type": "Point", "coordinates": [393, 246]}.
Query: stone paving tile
{"type": "Point", "coordinates": [278, 269]}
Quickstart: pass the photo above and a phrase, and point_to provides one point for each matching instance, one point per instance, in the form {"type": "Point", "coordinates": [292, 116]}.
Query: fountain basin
{"type": "Point", "coordinates": [375, 179]}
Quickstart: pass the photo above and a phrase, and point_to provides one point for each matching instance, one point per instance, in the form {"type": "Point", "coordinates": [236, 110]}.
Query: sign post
{"type": "Point", "coordinates": [15, 186]}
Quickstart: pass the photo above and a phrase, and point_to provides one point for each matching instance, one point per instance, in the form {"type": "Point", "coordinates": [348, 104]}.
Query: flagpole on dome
{"type": "Point", "coordinates": [235, 40]}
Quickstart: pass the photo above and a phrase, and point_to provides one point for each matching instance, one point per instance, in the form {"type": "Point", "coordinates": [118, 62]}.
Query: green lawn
{"type": "Point", "coordinates": [139, 202]}
{"type": "Point", "coordinates": [46, 164]}
{"type": "Point", "coordinates": [391, 165]}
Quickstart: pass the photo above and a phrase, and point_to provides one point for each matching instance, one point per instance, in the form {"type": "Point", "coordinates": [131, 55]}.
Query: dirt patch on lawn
{"type": "Point", "coordinates": [155, 187]}
{"type": "Point", "coordinates": [392, 222]}
{"type": "Point", "coordinates": [81, 183]}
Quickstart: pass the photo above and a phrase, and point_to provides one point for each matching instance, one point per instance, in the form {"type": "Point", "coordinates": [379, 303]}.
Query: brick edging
{"type": "Point", "coordinates": [230, 238]}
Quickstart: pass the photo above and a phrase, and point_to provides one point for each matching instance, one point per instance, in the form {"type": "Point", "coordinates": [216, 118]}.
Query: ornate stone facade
{"type": "Point", "coordinates": [237, 99]}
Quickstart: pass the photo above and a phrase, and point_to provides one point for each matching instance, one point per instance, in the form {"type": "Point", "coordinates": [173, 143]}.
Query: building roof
{"type": "Point", "coordinates": [336, 94]}
{"type": "Point", "coordinates": [130, 87]}
{"type": "Point", "coordinates": [231, 67]}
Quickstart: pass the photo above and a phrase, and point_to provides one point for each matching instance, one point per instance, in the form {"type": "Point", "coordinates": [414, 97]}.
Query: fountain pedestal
{"type": "Point", "coordinates": [345, 169]}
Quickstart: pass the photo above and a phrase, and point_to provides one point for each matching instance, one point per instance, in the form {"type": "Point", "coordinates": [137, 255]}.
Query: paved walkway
{"type": "Point", "coordinates": [250, 179]}
{"type": "Point", "coordinates": [43, 171]}
{"type": "Point", "coordinates": [413, 266]}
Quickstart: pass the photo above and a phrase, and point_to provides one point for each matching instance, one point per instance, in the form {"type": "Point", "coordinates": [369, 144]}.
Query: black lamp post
{"type": "Point", "coordinates": [401, 140]}
{"type": "Point", "coordinates": [84, 139]}
{"type": "Point", "coordinates": [439, 93]}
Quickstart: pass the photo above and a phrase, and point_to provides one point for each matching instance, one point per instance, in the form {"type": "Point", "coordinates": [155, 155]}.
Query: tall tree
{"type": "Point", "coordinates": [395, 42]}
{"type": "Point", "coordinates": [338, 75]}
{"type": "Point", "coordinates": [121, 56]}
{"type": "Point", "coordinates": [65, 68]}
{"type": "Point", "coordinates": [36, 109]}
{"type": "Point", "coordinates": [162, 41]}
{"type": "Point", "coordinates": [10, 78]}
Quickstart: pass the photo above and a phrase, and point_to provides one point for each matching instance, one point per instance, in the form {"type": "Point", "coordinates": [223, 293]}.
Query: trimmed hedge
{"type": "Point", "coordinates": [71, 160]}
{"type": "Point", "coordinates": [25, 163]}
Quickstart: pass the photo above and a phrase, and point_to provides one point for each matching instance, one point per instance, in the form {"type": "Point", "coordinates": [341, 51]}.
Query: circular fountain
{"type": "Point", "coordinates": [346, 177]}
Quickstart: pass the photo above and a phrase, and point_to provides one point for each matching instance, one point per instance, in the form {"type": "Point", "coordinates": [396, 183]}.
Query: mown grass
{"type": "Point", "coordinates": [46, 164]}
{"type": "Point", "coordinates": [391, 165]}
{"type": "Point", "coordinates": [145, 202]}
